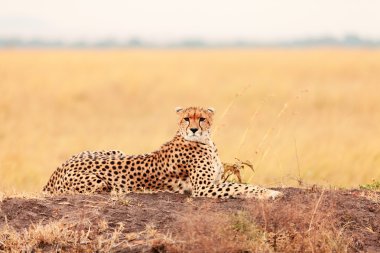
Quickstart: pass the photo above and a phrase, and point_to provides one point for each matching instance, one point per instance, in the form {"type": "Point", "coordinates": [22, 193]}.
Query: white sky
{"type": "Point", "coordinates": [171, 20]}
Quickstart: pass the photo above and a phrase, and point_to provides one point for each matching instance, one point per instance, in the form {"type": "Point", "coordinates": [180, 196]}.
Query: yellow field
{"type": "Point", "coordinates": [313, 114]}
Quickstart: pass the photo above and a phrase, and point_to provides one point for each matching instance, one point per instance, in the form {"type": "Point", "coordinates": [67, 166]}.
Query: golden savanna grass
{"type": "Point", "coordinates": [312, 113]}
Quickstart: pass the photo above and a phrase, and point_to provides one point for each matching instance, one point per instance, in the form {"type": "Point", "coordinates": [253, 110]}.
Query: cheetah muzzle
{"type": "Point", "coordinates": [189, 163]}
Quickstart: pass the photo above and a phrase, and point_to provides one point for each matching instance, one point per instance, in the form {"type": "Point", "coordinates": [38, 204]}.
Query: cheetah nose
{"type": "Point", "coordinates": [194, 130]}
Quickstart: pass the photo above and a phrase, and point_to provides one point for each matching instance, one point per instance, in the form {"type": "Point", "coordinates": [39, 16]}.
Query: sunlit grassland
{"type": "Point", "coordinates": [312, 114]}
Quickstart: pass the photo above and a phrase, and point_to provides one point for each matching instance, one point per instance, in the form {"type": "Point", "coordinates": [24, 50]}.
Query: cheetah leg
{"type": "Point", "coordinates": [235, 190]}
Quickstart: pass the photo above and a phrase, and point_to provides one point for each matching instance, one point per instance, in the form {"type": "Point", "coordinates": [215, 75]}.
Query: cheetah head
{"type": "Point", "coordinates": [195, 123]}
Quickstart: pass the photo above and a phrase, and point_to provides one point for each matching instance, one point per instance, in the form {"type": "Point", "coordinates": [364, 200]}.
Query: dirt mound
{"type": "Point", "coordinates": [305, 220]}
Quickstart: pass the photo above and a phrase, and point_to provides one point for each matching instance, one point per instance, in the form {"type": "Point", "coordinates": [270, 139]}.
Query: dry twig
{"type": "Point", "coordinates": [235, 168]}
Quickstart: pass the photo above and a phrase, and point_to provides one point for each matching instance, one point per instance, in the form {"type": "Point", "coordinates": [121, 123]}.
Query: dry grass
{"type": "Point", "coordinates": [57, 103]}
{"type": "Point", "coordinates": [55, 236]}
{"type": "Point", "coordinates": [196, 233]}
{"type": "Point", "coordinates": [20, 194]}
{"type": "Point", "coordinates": [79, 236]}
{"type": "Point", "coordinates": [243, 232]}
{"type": "Point", "coordinates": [217, 233]}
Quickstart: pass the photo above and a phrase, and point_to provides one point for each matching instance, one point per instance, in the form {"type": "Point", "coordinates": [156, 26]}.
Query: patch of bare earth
{"type": "Point", "coordinates": [305, 220]}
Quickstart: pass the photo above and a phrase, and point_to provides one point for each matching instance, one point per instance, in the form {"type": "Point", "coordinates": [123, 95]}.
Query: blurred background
{"type": "Point", "coordinates": [295, 84]}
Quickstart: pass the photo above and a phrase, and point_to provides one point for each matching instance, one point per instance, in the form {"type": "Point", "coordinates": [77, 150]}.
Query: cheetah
{"type": "Point", "coordinates": [188, 164]}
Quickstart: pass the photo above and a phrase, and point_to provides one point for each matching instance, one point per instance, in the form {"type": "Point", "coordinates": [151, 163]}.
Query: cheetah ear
{"type": "Point", "coordinates": [178, 109]}
{"type": "Point", "coordinates": [210, 109]}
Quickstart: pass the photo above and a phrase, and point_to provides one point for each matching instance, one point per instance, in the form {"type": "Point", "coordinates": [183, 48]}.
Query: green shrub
{"type": "Point", "coordinates": [375, 185]}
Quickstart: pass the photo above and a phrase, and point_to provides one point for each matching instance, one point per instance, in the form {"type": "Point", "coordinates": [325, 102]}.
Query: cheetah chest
{"type": "Point", "coordinates": [216, 163]}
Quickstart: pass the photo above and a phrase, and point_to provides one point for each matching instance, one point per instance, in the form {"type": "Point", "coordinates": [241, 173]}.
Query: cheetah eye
{"type": "Point", "coordinates": [202, 119]}
{"type": "Point", "coordinates": [187, 119]}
